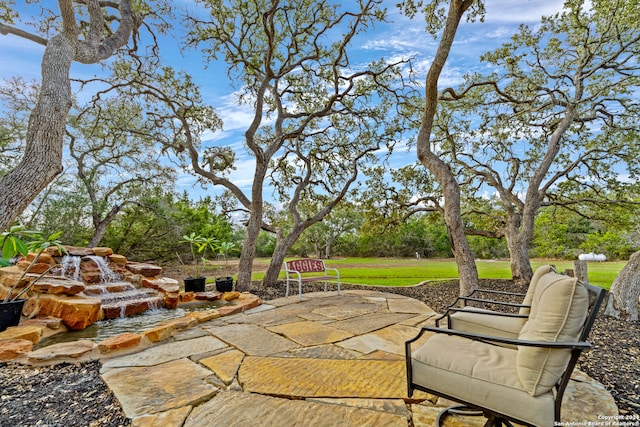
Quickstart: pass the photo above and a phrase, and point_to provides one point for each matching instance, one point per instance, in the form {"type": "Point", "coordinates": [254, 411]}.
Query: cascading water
{"type": "Point", "coordinates": [71, 267]}
{"type": "Point", "coordinates": [107, 275]}
{"type": "Point", "coordinates": [118, 298]}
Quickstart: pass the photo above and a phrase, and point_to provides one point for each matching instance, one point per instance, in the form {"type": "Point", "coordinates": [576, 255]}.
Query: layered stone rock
{"type": "Point", "coordinates": [146, 270]}
{"type": "Point", "coordinates": [58, 286]}
{"type": "Point", "coordinates": [118, 342]}
{"type": "Point", "coordinates": [169, 288]}
{"type": "Point", "coordinates": [76, 312]}
{"type": "Point", "coordinates": [29, 333]}
{"type": "Point", "coordinates": [14, 348]}
{"type": "Point", "coordinates": [102, 251]}
{"type": "Point", "coordinates": [61, 351]}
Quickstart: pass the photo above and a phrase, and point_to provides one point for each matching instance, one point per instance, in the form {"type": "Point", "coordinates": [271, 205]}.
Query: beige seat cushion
{"type": "Point", "coordinates": [487, 323]}
{"type": "Point", "coordinates": [480, 374]}
{"type": "Point", "coordinates": [558, 310]}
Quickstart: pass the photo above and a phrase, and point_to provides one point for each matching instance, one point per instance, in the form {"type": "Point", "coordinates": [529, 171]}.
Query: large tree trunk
{"type": "Point", "coordinates": [521, 270]}
{"type": "Point", "coordinates": [625, 291]}
{"type": "Point", "coordinates": [245, 266]}
{"type": "Point", "coordinates": [277, 259]}
{"type": "Point", "coordinates": [467, 270]}
{"type": "Point", "coordinates": [100, 226]}
{"type": "Point", "coordinates": [42, 160]}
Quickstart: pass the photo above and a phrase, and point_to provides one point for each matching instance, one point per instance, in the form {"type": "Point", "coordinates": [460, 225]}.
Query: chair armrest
{"type": "Point", "coordinates": [581, 345]}
{"type": "Point", "coordinates": [466, 309]}
{"type": "Point", "coordinates": [491, 291]}
{"type": "Point", "coordinates": [487, 313]}
{"type": "Point", "coordinates": [490, 301]}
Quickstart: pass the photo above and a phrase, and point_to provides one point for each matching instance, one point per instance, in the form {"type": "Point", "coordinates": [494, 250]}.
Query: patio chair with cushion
{"type": "Point", "coordinates": [493, 322]}
{"type": "Point", "coordinates": [523, 383]}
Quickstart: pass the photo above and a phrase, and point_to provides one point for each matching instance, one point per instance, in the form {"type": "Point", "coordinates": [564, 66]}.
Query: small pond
{"type": "Point", "coordinates": [112, 327]}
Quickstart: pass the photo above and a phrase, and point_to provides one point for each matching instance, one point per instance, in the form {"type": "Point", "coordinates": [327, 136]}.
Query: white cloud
{"type": "Point", "coordinates": [520, 11]}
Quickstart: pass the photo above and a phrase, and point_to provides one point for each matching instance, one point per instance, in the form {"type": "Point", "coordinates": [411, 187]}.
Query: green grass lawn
{"type": "Point", "coordinates": [407, 272]}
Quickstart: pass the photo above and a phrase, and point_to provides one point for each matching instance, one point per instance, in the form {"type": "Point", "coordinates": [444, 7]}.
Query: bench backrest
{"type": "Point", "coordinates": [306, 265]}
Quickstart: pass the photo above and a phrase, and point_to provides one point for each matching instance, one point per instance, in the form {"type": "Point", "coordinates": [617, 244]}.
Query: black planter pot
{"type": "Point", "coordinates": [224, 284]}
{"type": "Point", "coordinates": [10, 313]}
{"type": "Point", "coordinates": [195, 285]}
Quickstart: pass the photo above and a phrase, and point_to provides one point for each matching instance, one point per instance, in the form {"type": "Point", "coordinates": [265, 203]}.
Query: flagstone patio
{"type": "Point", "coordinates": [327, 360]}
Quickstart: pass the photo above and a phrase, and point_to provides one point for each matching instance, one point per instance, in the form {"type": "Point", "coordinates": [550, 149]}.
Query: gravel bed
{"type": "Point", "coordinates": [75, 395]}
{"type": "Point", "coordinates": [63, 395]}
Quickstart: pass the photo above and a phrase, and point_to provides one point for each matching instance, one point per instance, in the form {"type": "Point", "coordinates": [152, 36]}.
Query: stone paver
{"type": "Point", "coordinates": [61, 351]}
{"type": "Point", "coordinates": [310, 333]}
{"type": "Point", "coordinates": [244, 409]}
{"type": "Point", "coordinates": [390, 339]}
{"type": "Point", "coordinates": [392, 406]}
{"type": "Point", "coordinates": [425, 416]}
{"type": "Point", "coordinates": [583, 392]}
{"type": "Point", "coordinates": [253, 340]}
{"type": "Point", "coordinates": [370, 322]}
{"type": "Point", "coordinates": [347, 311]}
{"type": "Point", "coordinates": [323, 377]}
{"type": "Point", "coordinates": [224, 365]}
{"type": "Point", "coordinates": [408, 306]}
{"type": "Point", "coordinates": [329, 351]}
{"type": "Point", "coordinates": [170, 418]}
{"type": "Point", "coordinates": [166, 352]}
{"type": "Point", "coordinates": [143, 390]}
{"type": "Point", "coordinates": [275, 316]}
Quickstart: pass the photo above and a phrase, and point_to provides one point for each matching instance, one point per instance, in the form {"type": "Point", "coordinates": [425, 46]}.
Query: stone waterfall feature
{"type": "Point", "coordinates": [118, 297]}
{"type": "Point", "coordinates": [91, 284]}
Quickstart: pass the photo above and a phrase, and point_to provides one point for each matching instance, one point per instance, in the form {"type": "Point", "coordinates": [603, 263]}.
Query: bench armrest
{"type": "Point", "coordinates": [293, 272]}
{"type": "Point", "coordinates": [333, 269]}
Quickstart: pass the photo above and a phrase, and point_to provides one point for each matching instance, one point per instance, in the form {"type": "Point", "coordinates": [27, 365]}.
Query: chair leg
{"type": "Point", "coordinates": [493, 421]}
{"type": "Point", "coordinates": [457, 409]}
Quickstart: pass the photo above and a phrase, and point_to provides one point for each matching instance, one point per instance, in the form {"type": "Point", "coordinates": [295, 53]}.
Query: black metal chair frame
{"type": "Point", "coordinates": [470, 298]}
{"type": "Point", "coordinates": [597, 295]}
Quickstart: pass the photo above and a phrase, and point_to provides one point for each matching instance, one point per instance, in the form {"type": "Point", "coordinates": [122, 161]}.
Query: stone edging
{"type": "Point", "coordinates": [16, 343]}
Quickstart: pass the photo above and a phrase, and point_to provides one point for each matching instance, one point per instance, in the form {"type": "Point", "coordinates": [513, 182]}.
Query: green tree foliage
{"type": "Point", "coordinates": [17, 98]}
{"type": "Point", "coordinates": [115, 161]}
{"type": "Point", "coordinates": [318, 240]}
{"type": "Point", "coordinates": [153, 229]}
{"type": "Point", "coordinates": [64, 206]}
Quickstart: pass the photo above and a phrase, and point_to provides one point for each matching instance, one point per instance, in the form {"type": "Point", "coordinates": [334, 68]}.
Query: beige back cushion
{"type": "Point", "coordinates": [558, 311]}
{"type": "Point", "coordinates": [540, 271]}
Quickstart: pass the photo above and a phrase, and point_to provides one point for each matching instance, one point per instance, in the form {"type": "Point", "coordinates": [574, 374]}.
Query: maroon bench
{"type": "Point", "coordinates": [309, 270]}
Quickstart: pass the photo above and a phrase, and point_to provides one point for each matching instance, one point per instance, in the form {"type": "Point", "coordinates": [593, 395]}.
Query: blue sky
{"type": "Point", "coordinates": [400, 37]}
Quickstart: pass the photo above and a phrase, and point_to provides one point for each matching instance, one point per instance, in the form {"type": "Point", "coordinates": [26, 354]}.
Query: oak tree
{"type": "Point", "coordinates": [82, 31]}
{"type": "Point", "coordinates": [317, 116]}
